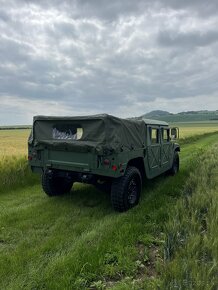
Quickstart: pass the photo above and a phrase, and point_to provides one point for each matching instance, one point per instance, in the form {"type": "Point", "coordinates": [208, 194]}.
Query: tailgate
{"type": "Point", "coordinates": [74, 161]}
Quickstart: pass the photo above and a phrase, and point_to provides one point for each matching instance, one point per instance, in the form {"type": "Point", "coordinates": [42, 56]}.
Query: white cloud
{"type": "Point", "coordinates": [123, 58]}
{"type": "Point", "coordinates": [25, 109]}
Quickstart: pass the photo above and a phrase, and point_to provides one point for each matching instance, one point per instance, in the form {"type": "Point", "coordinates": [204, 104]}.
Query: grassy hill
{"type": "Point", "coordinates": [190, 116]}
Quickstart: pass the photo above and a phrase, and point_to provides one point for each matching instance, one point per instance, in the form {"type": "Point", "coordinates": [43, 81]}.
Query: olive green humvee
{"type": "Point", "coordinates": [115, 155]}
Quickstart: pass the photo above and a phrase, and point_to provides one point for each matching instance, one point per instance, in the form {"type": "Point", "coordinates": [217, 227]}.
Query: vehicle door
{"type": "Point", "coordinates": [154, 148]}
{"type": "Point", "coordinates": [166, 148]}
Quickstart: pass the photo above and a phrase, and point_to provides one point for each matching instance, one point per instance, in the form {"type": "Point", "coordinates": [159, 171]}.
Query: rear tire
{"type": "Point", "coordinates": [175, 166]}
{"type": "Point", "coordinates": [54, 185]}
{"type": "Point", "coordinates": [126, 190]}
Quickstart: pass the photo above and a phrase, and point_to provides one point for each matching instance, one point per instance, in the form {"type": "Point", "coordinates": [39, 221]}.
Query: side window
{"type": "Point", "coordinates": [154, 136]}
{"type": "Point", "coordinates": [165, 135]}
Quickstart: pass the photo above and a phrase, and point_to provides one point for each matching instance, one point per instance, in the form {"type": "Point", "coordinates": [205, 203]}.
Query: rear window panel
{"type": "Point", "coordinates": [67, 132]}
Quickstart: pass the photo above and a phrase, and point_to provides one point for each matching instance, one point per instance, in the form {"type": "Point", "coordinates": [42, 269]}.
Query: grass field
{"type": "Point", "coordinates": [13, 142]}
{"type": "Point", "coordinates": [77, 241]}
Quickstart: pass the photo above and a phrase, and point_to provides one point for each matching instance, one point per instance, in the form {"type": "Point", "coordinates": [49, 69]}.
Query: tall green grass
{"type": "Point", "coordinates": [191, 249]}
{"type": "Point", "coordinates": [77, 241]}
{"type": "Point", "coordinates": [14, 173]}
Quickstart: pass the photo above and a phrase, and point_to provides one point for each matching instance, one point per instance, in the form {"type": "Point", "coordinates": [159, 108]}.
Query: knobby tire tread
{"type": "Point", "coordinates": [119, 186]}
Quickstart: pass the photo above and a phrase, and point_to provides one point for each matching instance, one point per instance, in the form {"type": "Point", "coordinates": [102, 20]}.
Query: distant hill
{"type": "Point", "coordinates": [15, 127]}
{"type": "Point", "coordinates": [189, 116]}
{"type": "Point", "coordinates": [157, 113]}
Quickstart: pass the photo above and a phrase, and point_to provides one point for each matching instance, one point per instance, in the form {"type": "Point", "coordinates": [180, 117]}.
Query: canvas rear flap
{"type": "Point", "coordinates": [91, 133]}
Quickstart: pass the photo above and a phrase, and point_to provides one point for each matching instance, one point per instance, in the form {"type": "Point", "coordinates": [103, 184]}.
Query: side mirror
{"type": "Point", "coordinates": [174, 132]}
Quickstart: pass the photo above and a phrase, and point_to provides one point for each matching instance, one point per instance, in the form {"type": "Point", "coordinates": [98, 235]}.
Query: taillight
{"type": "Point", "coordinates": [114, 167]}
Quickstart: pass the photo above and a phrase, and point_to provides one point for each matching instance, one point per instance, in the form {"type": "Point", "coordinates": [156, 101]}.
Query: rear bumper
{"type": "Point", "coordinates": [71, 169]}
{"type": "Point", "coordinates": [78, 162]}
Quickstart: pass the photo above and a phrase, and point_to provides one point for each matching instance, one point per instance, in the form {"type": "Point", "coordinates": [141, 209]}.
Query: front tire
{"type": "Point", "coordinates": [175, 166]}
{"type": "Point", "coordinates": [54, 185]}
{"type": "Point", "coordinates": [126, 190]}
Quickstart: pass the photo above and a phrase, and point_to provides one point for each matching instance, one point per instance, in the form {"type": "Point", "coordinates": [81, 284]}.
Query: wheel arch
{"type": "Point", "coordinates": [139, 164]}
{"type": "Point", "coordinates": [177, 148]}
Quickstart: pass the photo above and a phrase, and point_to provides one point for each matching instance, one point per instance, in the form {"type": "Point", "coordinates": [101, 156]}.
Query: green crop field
{"type": "Point", "coordinates": [77, 241]}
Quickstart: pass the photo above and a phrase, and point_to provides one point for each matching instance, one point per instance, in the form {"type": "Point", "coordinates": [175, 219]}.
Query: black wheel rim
{"type": "Point", "coordinates": [132, 191]}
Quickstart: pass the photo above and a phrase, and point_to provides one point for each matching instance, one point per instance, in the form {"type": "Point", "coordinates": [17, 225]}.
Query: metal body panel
{"type": "Point", "coordinates": [159, 156]}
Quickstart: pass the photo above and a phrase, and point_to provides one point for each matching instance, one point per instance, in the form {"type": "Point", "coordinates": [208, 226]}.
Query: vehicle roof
{"type": "Point", "coordinates": [100, 117]}
{"type": "Point", "coordinates": [155, 122]}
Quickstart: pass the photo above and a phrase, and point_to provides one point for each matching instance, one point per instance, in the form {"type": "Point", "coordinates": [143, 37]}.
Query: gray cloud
{"type": "Point", "coordinates": [187, 39]}
{"type": "Point", "coordinates": [111, 10]}
{"type": "Point", "coordinates": [118, 57]}
{"type": "Point", "coordinates": [200, 7]}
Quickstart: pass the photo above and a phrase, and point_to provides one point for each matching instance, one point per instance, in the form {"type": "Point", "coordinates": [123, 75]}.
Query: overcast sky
{"type": "Point", "coordinates": [121, 57]}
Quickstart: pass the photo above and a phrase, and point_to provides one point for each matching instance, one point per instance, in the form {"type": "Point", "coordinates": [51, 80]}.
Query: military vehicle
{"type": "Point", "coordinates": [114, 154]}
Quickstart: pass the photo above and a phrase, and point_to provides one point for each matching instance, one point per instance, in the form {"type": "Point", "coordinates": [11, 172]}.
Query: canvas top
{"type": "Point", "coordinates": [99, 116]}
{"type": "Point", "coordinates": [99, 133]}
